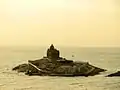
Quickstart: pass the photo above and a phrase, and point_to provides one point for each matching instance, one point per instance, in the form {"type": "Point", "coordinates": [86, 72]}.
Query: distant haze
{"type": "Point", "coordinates": [61, 22]}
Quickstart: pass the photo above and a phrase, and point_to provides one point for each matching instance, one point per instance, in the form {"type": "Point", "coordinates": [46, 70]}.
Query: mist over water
{"type": "Point", "coordinates": [107, 58]}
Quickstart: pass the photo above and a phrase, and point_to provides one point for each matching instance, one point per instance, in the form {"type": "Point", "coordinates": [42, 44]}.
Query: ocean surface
{"type": "Point", "coordinates": [107, 58]}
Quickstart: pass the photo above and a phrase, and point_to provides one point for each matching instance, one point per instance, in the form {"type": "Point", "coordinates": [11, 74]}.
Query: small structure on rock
{"type": "Point", "coordinates": [54, 65]}
{"type": "Point", "coordinates": [52, 53]}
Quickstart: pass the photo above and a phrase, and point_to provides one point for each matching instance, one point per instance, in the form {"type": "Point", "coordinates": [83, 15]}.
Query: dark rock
{"type": "Point", "coordinates": [58, 68]}
{"type": "Point", "coordinates": [21, 68]}
{"type": "Point", "coordinates": [114, 74]}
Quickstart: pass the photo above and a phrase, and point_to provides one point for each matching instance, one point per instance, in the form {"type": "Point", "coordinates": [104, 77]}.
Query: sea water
{"type": "Point", "coordinates": [107, 58]}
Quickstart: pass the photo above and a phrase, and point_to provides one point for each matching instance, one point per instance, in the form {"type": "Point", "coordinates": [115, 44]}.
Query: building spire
{"type": "Point", "coordinates": [52, 47]}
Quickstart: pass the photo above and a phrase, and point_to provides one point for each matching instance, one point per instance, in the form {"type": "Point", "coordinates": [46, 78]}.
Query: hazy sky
{"type": "Point", "coordinates": [61, 22]}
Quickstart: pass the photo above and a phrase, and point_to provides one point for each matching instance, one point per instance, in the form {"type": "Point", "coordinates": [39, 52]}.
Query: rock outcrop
{"type": "Point", "coordinates": [114, 74]}
{"type": "Point", "coordinates": [54, 65]}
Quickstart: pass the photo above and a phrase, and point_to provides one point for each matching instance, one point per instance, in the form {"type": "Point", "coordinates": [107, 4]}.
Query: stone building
{"type": "Point", "coordinates": [53, 53]}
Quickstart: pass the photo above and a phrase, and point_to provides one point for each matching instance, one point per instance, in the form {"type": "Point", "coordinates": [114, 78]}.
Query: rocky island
{"type": "Point", "coordinates": [54, 65]}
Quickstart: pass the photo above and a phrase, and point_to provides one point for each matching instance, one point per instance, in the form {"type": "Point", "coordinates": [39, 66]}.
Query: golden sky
{"type": "Point", "coordinates": [61, 22]}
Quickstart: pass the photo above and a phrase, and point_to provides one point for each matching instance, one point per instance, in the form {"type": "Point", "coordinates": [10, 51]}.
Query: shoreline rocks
{"type": "Point", "coordinates": [116, 74]}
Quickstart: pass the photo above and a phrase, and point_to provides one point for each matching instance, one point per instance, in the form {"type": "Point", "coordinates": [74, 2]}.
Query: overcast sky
{"type": "Point", "coordinates": [61, 22]}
